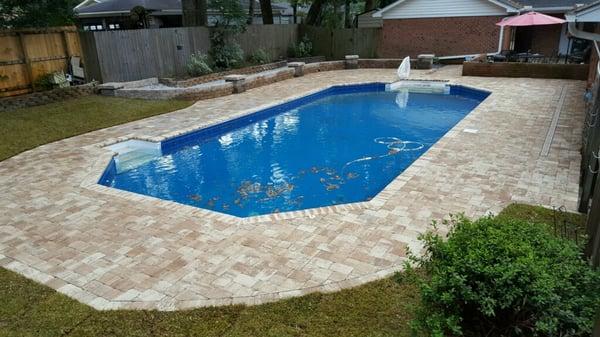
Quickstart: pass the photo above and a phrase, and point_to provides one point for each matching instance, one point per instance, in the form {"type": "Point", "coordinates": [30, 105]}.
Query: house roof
{"type": "Point", "coordinates": [519, 5]}
{"type": "Point", "coordinates": [125, 6]}
{"type": "Point", "coordinates": [509, 5]}
{"type": "Point", "coordinates": [553, 5]}
{"type": "Point", "coordinates": [117, 7]}
{"type": "Point", "coordinates": [586, 13]}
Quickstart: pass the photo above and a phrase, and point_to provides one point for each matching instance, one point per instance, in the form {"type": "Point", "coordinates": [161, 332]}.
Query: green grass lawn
{"type": "Point", "coordinates": [376, 309]}
{"type": "Point", "coordinates": [26, 128]}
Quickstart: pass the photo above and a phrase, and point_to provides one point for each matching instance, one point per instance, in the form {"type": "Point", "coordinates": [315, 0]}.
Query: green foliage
{"type": "Point", "coordinates": [224, 51]}
{"type": "Point", "coordinates": [43, 82]}
{"type": "Point", "coordinates": [304, 48]}
{"type": "Point", "coordinates": [505, 277]}
{"type": "Point", "coordinates": [36, 13]}
{"type": "Point", "coordinates": [260, 56]}
{"type": "Point", "coordinates": [233, 16]}
{"type": "Point", "coordinates": [139, 16]}
{"type": "Point", "coordinates": [198, 65]}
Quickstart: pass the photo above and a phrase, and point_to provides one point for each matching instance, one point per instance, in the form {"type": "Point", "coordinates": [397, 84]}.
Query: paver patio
{"type": "Point", "coordinates": [114, 249]}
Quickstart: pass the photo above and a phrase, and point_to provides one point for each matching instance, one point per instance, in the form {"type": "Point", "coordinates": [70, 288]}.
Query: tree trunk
{"type": "Point", "coordinates": [202, 9]}
{"type": "Point", "coordinates": [347, 18]}
{"type": "Point", "coordinates": [250, 12]}
{"type": "Point", "coordinates": [314, 13]}
{"type": "Point", "coordinates": [193, 12]}
{"type": "Point", "coordinates": [369, 5]}
{"type": "Point", "coordinates": [266, 11]}
{"type": "Point", "coordinates": [295, 11]}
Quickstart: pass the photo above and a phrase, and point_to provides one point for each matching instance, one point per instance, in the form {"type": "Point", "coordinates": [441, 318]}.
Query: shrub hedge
{"type": "Point", "coordinates": [504, 277]}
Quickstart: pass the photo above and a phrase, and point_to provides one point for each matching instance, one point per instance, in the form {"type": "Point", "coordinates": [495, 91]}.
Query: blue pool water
{"type": "Point", "coordinates": [341, 145]}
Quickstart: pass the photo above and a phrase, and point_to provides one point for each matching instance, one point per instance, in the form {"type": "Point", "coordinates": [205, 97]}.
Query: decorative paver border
{"type": "Point", "coordinates": [135, 252]}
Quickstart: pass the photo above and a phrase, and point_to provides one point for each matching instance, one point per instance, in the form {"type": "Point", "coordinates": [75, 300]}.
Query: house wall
{"type": "Point", "coordinates": [440, 36]}
{"type": "Point", "coordinates": [546, 39]}
{"type": "Point", "coordinates": [442, 8]}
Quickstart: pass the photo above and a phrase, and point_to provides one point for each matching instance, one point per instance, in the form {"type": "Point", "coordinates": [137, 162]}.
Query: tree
{"type": "Point", "coordinates": [250, 12]}
{"type": "Point", "coordinates": [139, 16]}
{"type": "Point", "coordinates": [369, 5]}
{"type": "Point", "coordinates": [314, 13]}
{"type": "Point", "coordinates": [295, 10]}
{"type": "Point", "coordinates": [194, 12]}
{"type": "Point", "coordinates": [347, 16]}
{"type": "Point", "coordinates": [266, 11]}
{"type": "Point", "coordinates": [36, 13]}
{"type": "Point", "coordinates": [232, 16]}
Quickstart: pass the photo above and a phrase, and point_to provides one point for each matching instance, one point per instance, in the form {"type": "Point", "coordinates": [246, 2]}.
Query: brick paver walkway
{"type": "Point", "coordinates": [114, 249]}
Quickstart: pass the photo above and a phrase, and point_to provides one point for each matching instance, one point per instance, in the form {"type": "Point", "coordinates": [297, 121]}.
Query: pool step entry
{"type": "Point", "coordinates": [134, 153]}
{"type": "Point", "coordinates": [422, 86]}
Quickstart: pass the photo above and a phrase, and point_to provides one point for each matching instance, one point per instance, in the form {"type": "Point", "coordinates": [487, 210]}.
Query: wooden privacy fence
{"type": "Point", "coordinates": [589, 201]}
{"type": "Point", "coordinates": [128, 55]}
{"type": "Point", "coordinates": [27, 54]}
{"type": "Point", "coordinates": [336, 43]}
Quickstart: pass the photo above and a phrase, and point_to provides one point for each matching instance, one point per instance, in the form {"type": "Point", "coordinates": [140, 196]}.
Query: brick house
{"type": "Point", "coordinates": [458, 28]}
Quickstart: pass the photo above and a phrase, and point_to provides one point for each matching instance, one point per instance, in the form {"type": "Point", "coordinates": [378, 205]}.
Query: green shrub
{"type": "Point", "coordinates": [503, 277]}
{"type": "Point", "coordinates": [198, 65]}
{"type": "Point", "coordinates": [260, 56]}
{"type": "Point", "coordinates": [225, 52]}
{"type": "Point", "coordinates": [304, 48]}
{"type": "Point", "coordinates": [50, 81]}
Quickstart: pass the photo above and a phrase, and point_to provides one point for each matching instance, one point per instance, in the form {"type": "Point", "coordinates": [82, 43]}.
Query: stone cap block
{"type": "Point", "coordinates": [111, 86]}
{"type": "Point", "coordinates": [296, 64]}
{"type": "Point", "coordinates": [351, 57]}
{"type": "Point", "coordinates": [234, 78]}
{"type": "Point", "coordinates": [426, 56]}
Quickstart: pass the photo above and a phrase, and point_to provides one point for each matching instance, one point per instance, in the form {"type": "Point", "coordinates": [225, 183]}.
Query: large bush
{"type": "Point", "coordinates": [260, 56]}
{"type": "Point", "coordinates": [198, 65]}
{"type": "Point", "coordinates": [225, 52]}
{"type": "Point", "coordinates": [505, 277]}
{"type": "Point", "coordinates": [304, 48]}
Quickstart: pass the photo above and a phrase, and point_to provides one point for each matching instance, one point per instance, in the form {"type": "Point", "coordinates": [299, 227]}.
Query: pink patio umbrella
{"type": "Point", "coordinates": [530, 19]}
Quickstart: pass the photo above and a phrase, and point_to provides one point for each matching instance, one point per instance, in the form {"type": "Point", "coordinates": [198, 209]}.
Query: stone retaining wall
{"type": "Point", "coordinates": [211, 90]}
{"type": "Point", "coordinates": [323, 66]}
{"type": "Point", "coordinates": [45, 97]}
{"type": "Point", "coordinates": [219, 76]}
{"type": "Point", "coordinates": [532, 70]}
{"type": "Point", "coordinates": [259, 81]}
{"type": "Point", "coordinates": [308, 59]}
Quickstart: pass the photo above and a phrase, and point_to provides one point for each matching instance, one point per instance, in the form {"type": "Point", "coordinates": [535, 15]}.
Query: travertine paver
{"type": "Point", "coordinates": [114, 249]}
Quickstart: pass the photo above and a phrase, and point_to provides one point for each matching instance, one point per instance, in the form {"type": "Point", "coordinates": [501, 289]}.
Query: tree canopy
{"type": "Point", "coordinates": [36, 13]}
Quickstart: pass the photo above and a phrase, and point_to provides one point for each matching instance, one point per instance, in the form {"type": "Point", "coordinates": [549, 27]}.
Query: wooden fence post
{"type": "Point", "coordinates": [26, 57]}
{"type": "Point", "coordinates": [65, 40]}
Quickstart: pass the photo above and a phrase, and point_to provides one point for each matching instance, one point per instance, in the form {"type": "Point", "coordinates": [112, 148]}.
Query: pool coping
{"type": "Point", "coordinates": [92, 178]}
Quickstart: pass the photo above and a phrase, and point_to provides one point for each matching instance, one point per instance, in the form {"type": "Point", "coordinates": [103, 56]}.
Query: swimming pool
{"type": "Point", "coordinates": [341, 145]}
